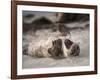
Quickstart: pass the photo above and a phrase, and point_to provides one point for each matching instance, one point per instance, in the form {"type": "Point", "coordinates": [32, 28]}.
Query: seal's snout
{"type": "Point", "coordinates": [75, 50]}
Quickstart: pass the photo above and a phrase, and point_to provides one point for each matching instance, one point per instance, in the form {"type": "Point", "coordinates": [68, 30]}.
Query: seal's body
{"type": "Point", "coordinates": [60, 47]}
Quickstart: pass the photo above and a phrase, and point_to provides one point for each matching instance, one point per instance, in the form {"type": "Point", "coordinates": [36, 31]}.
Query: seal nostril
{"type": "Point", "coordinates": [75, 50]}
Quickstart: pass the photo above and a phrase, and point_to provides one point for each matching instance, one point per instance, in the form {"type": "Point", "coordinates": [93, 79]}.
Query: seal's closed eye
{"type": "Point", "coordinates": [68, 43]}
{"type": "Point", "coordinates": [57, 43]}
{"type": "Point", "coordinates": [56, 49]}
